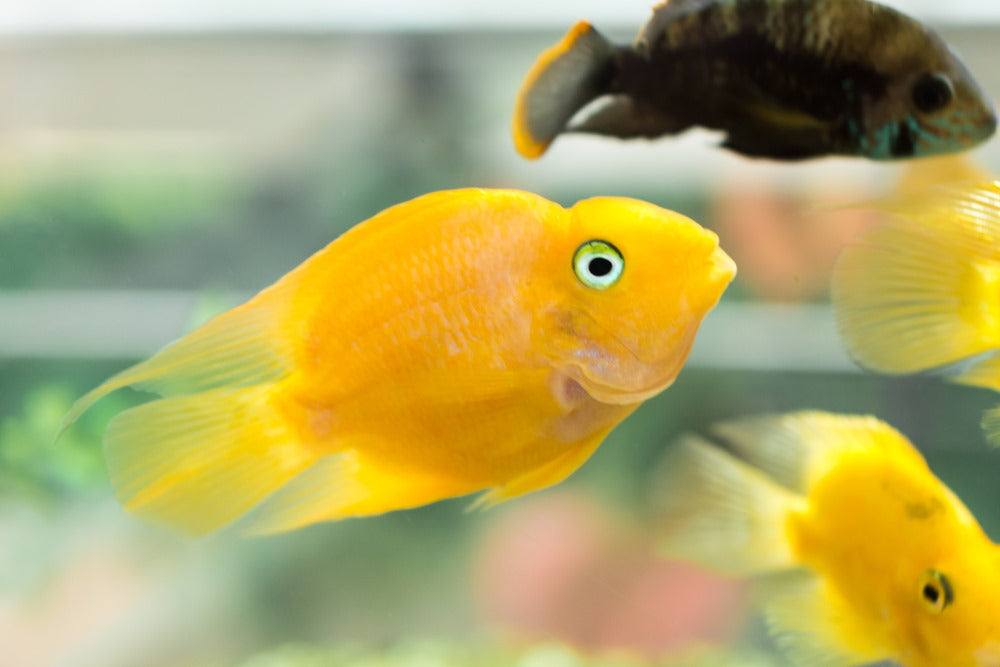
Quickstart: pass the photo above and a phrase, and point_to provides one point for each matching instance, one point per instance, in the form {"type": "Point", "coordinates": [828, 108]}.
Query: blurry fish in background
{"type": "Point", "coordinates": [462, 341]}
{"type": "Point", "coordinates": [919, 291]}
{"type": "Point", "coordinates": [862, 554]}
{"type": "Point", "coordinates": [784, 79]}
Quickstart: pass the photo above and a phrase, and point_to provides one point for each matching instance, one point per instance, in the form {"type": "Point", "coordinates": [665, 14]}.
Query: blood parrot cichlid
{"type": "Point", "coordinates": [919, 291]}
{"type": "Point", "coordinates": [783, 79]}
{"type": "Point", "coordinates": [465, 340]}
{"type": "Point", "coordinates": [861, 554]}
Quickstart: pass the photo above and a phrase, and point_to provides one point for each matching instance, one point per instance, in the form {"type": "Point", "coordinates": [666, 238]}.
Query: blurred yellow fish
{"type": "Point", "coordinates": [932, 172]}
{"type": "Point", "coordinates": [920, 291]}
{"type": "Point", "coordinates": [870, 556]}
{"type": "Point", "coordinates": [461, 341]}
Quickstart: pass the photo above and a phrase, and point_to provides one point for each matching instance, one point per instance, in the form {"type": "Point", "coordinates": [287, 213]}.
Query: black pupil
{"type": "Point", "coordinates": [931, 594]}
{"type": "Point", "coordinates": [599, 266]}
{"type": "Point", "coordinates": [931, 93]}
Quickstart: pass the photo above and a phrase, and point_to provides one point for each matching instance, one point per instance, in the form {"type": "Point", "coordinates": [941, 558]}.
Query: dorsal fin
{"type": "Point", "coordinates": [667, 12]}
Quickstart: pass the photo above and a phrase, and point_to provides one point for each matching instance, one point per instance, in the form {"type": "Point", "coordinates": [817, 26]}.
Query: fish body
{"type": "Point", "coordinates": [918, 292]}
{"type": "Point", "coordinates": [783, 79]}
{"type": "Point", "coordinates": [465, 340]}
{"type": "Point", "coordinates": [861, 553]}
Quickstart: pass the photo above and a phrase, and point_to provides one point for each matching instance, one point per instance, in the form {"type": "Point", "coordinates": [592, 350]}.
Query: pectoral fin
{"type": "Point", "coordinates": [548, 474]}
{"type": "Point", "coordinates": [811, 624]}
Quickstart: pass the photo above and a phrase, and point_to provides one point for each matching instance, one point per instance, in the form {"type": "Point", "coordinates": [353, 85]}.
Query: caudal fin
{"type": "Point", "coordinates": [919, 291]}
{"type": "Point", "coordinates": [240, 347]}
{"type": "Point", "coordinates": [198, 462]}
{"type": "Point", "coordinates": [561, 82]}
{"type": "Point", "coordinates": [217, 444]}
{"type": "Point", "coordinates": [719, 512]}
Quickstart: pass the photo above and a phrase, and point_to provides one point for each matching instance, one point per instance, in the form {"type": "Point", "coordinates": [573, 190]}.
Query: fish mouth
{"type": "Point", "coordinates": [604, 393]}
{"type": "Point", "coordinates": [645, 379]}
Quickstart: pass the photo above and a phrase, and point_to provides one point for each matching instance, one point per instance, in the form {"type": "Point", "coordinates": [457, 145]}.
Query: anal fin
{"type": "Point", "coordinates": [348, 484]}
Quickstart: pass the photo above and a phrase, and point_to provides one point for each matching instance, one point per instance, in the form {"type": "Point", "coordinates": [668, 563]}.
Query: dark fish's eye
{"type": "Point", "coordinates": [932, 92]}
{"type": "Point", "coordinates": [598, 264]}
{"type": "Point", "coordinates": [935, 591]}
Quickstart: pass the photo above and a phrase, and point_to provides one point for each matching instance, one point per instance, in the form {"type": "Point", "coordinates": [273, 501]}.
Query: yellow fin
{"type": "Point", "coordinates": [198, 462]}
{"type": "Point", "coordinates": [348, 484]}
{"type": "Point", "coordinates": [809, 623]}
{"type": "Point", "coordinates": [563, 80]}
{"type": "Point", "coordinates": [919, 291]}
{"type": "Point", "coordinates": [240, 347]}
{"type": "Point", "coordinates": [315, 495]}
{"type": "Point", "coordinates": [551, 473]}
{"type": "Point", "coordinates": [982, 372]}
{"type": "Point", "coordinates": [931, 172]}
{"type": "Point", "coordinates": [716, 511]}
{"type": "Point", "coordinates": [797, 448]}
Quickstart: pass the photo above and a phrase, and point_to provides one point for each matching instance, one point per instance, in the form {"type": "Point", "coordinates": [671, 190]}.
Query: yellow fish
{"type": "Point", "coordinates": [462, 341]}
{"type": "Point", "coordinates": [863, 554]}
{"type": "Point", "coordinates": [919, 292]}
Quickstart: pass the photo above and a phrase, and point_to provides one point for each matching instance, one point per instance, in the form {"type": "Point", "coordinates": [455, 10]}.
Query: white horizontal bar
{"type": "Point", "coordinates": [134, 324]}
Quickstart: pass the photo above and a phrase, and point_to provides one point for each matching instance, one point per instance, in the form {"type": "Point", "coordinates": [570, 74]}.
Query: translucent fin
{"type": "Point", "coordinates": [931, 172]}
{"type": "Point", "coordinates": [561, 82]}
{"type": "Point", "coordinates": [551, 473]}
{"type": "Point", "coordinates": [198, 462]}
{"type": "Point", "coordinates": [919, 291]}
{"type": "Point", "coordinates": [718, 512]}
{"type": "Point", "coordinates": [809, 624]}
{"type": "Point", "coordinates": [795, 449]}
{"type": "Point", "coordinates": [241, 347]}
{"type": "Point", "coordinates": [348, 485]}
{"type": "Point", "coordinates": [315, 495]}
{"type": "Point", "coordinates": [991, 426]}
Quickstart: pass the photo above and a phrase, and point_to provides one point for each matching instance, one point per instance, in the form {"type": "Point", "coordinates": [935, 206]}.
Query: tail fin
{"type": "Point", "coordinates": [198, 462]}
{"type": "Point", "coordinates": [561, 82]}
{"type": "Point", "coordinates": [240, 347]}
{"type": "Point", "coordinates": [919, 291]}
{"type": "Point", "coordinates": [721, 513]}
{"type": "Point", "coordinates": [217, 444]}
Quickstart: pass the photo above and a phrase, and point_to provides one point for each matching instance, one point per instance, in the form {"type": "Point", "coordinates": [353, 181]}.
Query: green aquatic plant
{"type": "Point", "coordinates": [34, 464]}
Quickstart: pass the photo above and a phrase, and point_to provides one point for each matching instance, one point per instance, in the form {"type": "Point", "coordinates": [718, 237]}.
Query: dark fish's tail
{"type": "Point", "coordinates": [562, 81]}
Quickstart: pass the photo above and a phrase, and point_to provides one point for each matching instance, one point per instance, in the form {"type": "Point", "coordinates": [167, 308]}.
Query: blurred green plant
{"type": "Point", "coordinates": [35, 465]}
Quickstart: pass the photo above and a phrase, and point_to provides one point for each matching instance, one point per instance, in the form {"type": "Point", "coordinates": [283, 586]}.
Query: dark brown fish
{"type": "Point", "coordinates": [784, 79]}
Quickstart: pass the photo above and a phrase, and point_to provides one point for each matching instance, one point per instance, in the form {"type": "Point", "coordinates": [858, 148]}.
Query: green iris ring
{"type": "Point", "coordinates": [598, 264]}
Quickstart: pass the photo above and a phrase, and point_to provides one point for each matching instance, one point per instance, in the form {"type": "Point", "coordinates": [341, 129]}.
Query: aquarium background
{"type": "Point", "coordinates": [161, 161]}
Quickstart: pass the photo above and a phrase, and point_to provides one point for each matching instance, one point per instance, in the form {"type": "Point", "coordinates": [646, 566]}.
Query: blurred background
{"type": "Point", "coordinates": [162, 160]}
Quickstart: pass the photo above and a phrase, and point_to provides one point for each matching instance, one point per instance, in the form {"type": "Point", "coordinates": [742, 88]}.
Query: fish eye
{"type": "Point", "coordinates": [932, 92]}
{"type": "Point", "coordinates": [935, 591]}
{"type": "Point", "coordinates": [598, 264]}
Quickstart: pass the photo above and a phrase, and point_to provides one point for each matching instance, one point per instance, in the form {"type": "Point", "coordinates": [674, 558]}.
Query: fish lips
{"type": "Point", "coordinates": [629, 381]}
